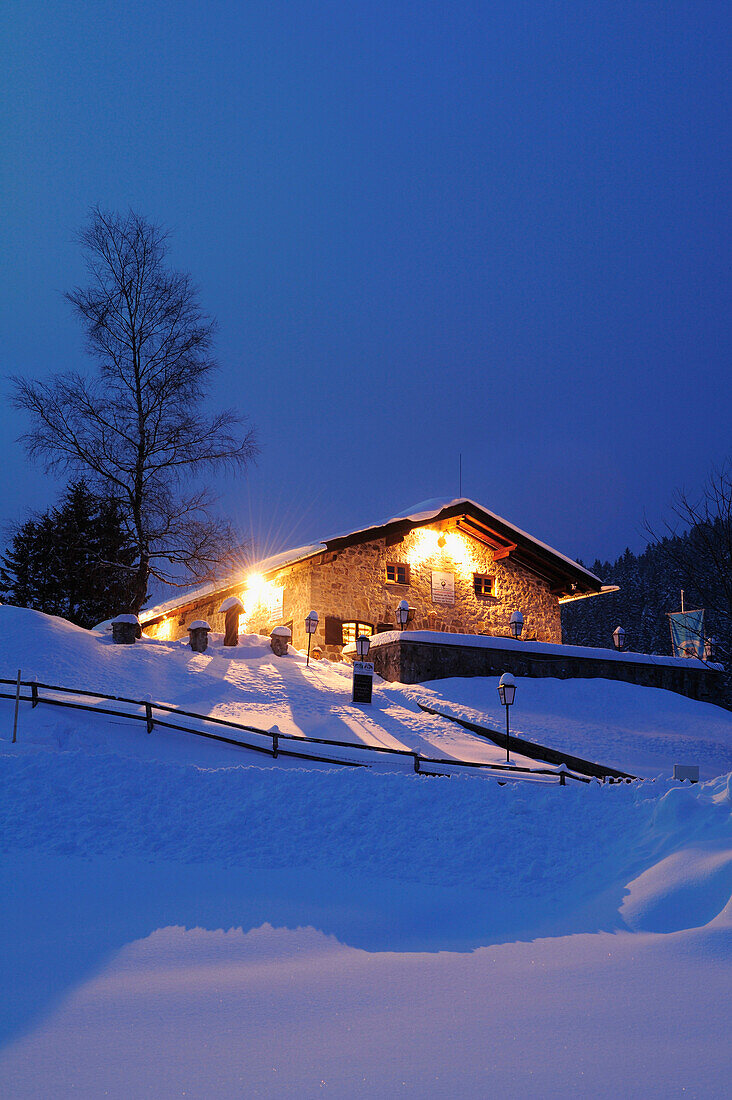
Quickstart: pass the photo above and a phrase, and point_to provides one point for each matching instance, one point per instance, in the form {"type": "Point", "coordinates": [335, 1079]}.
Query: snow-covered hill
{"type": "Point", "coordinates": [178, 919]}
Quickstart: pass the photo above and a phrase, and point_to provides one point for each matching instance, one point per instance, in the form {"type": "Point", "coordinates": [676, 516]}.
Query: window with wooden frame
{"type": "Point", "coordinates": [352, 630]}
{"type": "Point", "coordinates": [484, 585]}
{"type": "Point", "coordinates": [397, 573]}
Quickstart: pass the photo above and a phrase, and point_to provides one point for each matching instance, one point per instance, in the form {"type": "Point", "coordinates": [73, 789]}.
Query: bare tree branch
{"type": "Point", "coordinates": [138, 429]}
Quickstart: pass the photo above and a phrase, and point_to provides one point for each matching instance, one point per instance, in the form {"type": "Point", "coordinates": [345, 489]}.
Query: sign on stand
{"type": "Point", "coordinates": [363, 681]}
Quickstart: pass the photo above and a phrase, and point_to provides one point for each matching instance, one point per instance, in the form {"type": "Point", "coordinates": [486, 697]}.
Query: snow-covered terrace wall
{"type": "Point", "coordinates": [415, 656]}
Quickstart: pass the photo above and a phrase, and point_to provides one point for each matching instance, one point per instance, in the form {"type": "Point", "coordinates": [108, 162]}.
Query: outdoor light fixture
{"type": "Point", "coordinates": [516, 624]}
{"type": "Point", "coordinates": [710, 649]}
{"type": "Point", "coordinates": [507, 694]}
{"type": "Point", "coordinates": [363, 642]}
{"type": "Point", "coordinates": [402, 614]}
{"type": "Point", "coordinates": [619, 637]}
{"type": "Point", "coordinates": [311, 625]}
{"type": "Point", "coordinates": [441, 542]}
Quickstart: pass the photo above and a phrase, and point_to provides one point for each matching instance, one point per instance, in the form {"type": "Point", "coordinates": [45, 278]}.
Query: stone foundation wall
{"type": "Point", "coordinates": [412, 662]}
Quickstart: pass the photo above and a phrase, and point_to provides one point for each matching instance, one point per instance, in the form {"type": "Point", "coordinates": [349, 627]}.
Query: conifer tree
{"type": "Point", "coordinates": [75, 560]}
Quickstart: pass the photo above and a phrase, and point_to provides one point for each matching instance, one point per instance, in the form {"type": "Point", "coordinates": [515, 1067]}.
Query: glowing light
{"type": "Point", "coordinates": [440, 545]}
{"type": "Point", "coordinates": [165, 630]}
{"type": "Point", "coordinates": [262, 599]}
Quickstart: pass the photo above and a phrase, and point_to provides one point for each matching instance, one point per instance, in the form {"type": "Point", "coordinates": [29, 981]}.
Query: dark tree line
{"type": "Point", "coordinates": [650, 587]}
{"type": "Point", "coordinates": [75, 560]}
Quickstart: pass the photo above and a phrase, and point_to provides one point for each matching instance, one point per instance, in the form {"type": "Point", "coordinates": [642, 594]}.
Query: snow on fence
{"type": "Point", "coordinates": [270, 742]}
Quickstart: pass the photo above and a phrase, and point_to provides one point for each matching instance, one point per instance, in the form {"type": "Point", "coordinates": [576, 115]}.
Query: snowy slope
{"type": "Point", "coordinates": [644, 731]}
{"type": "Point", "coordinates": [177, 921]}
{"type": "Point", "coordinates": [636, 729]}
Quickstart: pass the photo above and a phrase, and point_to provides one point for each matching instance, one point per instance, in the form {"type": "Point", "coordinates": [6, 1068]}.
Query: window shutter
{"type": "Point", "coordinates": [333, 631]}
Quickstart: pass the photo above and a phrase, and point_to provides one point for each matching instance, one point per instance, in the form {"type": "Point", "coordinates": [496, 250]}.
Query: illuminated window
{"type": "Point", "coordinates": [351, 631]}
{"type": "Point", "coordinates": [484, 585]}
{"type": "Point", "coordinates": [396, 573]}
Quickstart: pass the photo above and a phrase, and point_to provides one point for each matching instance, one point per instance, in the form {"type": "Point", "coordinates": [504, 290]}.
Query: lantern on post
{"type": "Point", "coordinates": [619, 638]}
{"type": "Point", "coordinates": [311, 625]}
{"type": "Point", "coordinates": [402, 614]}
{"type": "Point", "coordinates": [516, 624]}
{"type": "Point", "coordinates": [507, 693]}
{"type": "Point", "coordinates": [363, 644]}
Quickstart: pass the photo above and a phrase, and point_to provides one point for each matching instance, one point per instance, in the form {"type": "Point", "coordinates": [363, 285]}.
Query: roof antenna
{"type": "Point", "coordinates": [460, 490]}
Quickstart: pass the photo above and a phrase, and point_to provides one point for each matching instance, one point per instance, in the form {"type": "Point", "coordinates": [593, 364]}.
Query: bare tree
{"type": "Point", "coordinates": [136, 430]}
{"type": "Point", "coordinates": [698, 542]}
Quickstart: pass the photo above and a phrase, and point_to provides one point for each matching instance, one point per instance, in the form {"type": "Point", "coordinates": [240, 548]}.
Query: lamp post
{"type": "Point", "coordinates": [363, 643]}
{"type": "Point", "coordinates": [516, 624]}
{"type": "Point", "coordinates": [311, 625]}
{"type": "Point", "coordinates": [402, 614]}
{"type": "Point", "coordinates": [506, 693]}
{"type": "Point", "coordinates": [619, 638]}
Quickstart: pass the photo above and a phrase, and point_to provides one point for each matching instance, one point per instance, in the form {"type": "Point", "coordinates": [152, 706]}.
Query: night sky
{"type": "Point", "coordinates": [496, 228]}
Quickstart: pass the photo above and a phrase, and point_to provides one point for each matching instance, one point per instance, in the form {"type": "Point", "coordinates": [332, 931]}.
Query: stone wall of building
{"type": "Point", "coordinates": [351, 585]}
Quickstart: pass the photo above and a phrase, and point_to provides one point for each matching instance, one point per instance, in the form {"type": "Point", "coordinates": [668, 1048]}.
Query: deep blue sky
{"type": "Point", "coordinates": [499, 228]}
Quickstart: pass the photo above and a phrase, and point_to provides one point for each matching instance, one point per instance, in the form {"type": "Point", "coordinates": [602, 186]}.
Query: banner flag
{"type": "Point", "coordinates": [687, 633]}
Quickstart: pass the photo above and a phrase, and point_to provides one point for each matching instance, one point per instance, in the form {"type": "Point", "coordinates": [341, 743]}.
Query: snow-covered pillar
{"type": "Point", "coordinates": [125, 629]}
{"type": "Point", "coordinates": [198, 635]}
{"type": "Point", "coordinates": [279, 639]}
{"type": "Point", "coordinates": [231, 609]}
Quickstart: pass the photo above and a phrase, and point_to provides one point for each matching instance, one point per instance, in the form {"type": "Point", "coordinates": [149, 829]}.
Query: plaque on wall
{"type": "Point", "coordinates": [443, 588]}
{"type": "Point", "coordinates": [275, 603]}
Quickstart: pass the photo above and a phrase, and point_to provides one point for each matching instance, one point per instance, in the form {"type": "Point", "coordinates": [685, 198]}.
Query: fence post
{"type": "Point", "coordinates": [275, 744]}
{"type": "Point", "coordinates": [34, 693]}
{"type": "Point", "coordinates": [148, 716]}
{"type": "Point", "coordinates": [17, 700]}
{"type": "Point", "coordinates": [562, 779]}
{"type": "Point", "coordinates": [416, 763]}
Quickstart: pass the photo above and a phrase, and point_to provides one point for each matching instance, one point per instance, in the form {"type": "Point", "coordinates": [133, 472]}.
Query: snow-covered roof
{"type": "Point", "coordinates": [422, 512]}
{"type": "Point", "coordinates": [210, 588]}
{"type": "Point", "coordinates": [430, 509]}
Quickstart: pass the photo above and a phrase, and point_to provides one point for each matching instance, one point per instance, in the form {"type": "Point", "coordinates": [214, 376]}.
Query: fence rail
{"type": "Point", "coordinates": [274, 748]}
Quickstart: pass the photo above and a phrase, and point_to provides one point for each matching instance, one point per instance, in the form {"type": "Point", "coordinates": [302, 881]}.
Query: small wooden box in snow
{"type": "Point", "coordinates": [198, 635]}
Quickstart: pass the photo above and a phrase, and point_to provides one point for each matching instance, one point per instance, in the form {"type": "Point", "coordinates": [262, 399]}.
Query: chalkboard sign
{"type": "Point", "coordinates": [363, 681]}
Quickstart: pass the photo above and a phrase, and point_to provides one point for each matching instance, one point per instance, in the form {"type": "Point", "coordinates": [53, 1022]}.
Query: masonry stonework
{"type": "Point", "coordinates": [351, 585]}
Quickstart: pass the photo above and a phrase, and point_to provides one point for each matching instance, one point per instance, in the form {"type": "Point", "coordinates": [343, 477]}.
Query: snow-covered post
{"type": "Point", "coordinates": [198, 635]}
{"type": "Point", "coordinates": [147, 700]}
{"type": "Point", "coordinates": [279, 639]}
{"type": "Point", "coordinates": [125, 629]}
{"type": "Point", "coordinates": [17, 700]}
{"type": "Point", "coordinates": [231, 609]}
